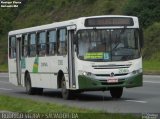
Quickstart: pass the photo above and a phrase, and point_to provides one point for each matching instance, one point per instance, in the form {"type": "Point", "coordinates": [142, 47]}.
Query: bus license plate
{"type": "Point", "coordinates": [112, 80]}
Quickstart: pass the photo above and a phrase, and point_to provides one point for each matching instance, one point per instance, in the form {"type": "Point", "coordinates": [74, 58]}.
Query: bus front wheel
{"type": "Point", "coordinates": [116, 92]}
{"type": "Point", "coordinates": [66, 93]}
{"type": "Point", "coordinates": [39, 91]}
{"type": "Point", "coordinates": [28, 86]}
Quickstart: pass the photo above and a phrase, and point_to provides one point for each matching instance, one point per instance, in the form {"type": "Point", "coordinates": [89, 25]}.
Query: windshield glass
{"type": "Point", "coordinates": [108, 44]}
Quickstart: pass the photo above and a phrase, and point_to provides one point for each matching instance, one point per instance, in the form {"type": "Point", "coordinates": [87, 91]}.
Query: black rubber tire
{"type": "Point", "coordinates": [39, 91]}
{"type": "Point", "coordinates": [66, 94]}
{"type": "Point", "coordinates": [28, 85]}
{"type": "Point", "coordinates": [116, 92]}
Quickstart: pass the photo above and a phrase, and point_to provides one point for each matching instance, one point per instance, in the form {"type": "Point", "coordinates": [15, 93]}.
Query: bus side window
{"type": "Point", "coordinates": [12, 47]}
{"type": "Point", "coordinates": [25, 45]}
{"type": "Point", "coordinates": [52, 42]}
{"type": "Point", "coordinates": [42, 43]}
{"type": "Point", "coordinates": [32, 45]}
{"type": "Point", "coordinates": [62, 42]}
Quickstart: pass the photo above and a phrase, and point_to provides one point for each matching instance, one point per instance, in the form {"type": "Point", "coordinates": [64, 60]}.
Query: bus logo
{"type": "Point", "coordinates": [112, 74]}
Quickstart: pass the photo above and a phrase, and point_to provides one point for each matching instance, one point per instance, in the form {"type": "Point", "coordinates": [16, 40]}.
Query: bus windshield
{"type": "Point", "coordinates": [108, 45]}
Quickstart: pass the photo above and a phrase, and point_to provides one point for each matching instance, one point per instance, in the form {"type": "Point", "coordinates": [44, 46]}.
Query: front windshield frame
{"type": "Point", "coordinates": [109, 54]}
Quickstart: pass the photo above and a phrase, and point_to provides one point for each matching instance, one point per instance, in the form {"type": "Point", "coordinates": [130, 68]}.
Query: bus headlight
{"type": "Point", "coordinates": [137, 71]}
{"type": "Point", "coordinates": [84, 73]}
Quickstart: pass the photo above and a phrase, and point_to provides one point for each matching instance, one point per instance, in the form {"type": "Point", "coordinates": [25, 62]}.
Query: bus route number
{"type": "Point", "coordinates": [121, 71]}
{"type": "Point", "coordinates": [44, 64]}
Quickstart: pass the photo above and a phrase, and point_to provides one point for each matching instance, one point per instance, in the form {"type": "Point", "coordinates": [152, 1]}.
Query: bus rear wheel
{"type": "Point", "coordinates": [116, 92]}
{"type": "Point", "coordinates": [66, 94]}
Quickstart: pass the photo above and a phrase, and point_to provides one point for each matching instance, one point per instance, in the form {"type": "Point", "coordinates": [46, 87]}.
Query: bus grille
{"type": "Point", "coordinates": [110, 74]}
{"type": "Point", "coordinates": [110, 66]}
{"type": "Point", "coordinates": [105, 83]}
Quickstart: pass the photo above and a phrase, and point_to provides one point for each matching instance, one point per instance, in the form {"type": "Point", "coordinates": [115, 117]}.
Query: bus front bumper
{"type": "Point", "coordinates": [87, 83]}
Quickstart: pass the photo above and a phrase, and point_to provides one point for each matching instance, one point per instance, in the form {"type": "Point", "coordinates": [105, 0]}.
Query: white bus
{"type": "Point", "coordinates": [94, 53]}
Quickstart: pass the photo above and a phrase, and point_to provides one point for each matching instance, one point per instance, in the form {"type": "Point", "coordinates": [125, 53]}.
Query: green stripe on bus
{"type": "Point", "coordinates": [35, 65]}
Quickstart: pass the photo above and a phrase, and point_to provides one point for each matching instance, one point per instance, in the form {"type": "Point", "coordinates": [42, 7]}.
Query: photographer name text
{"type": "Point", "coordinates": [10, 3]}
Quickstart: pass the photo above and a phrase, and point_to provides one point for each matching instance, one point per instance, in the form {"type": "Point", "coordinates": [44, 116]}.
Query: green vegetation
{"type": "Point", "coordinates": [152, 41]}
{"type": "Point", "coordinates": [32, 13]}
{"type": "Point", "coordinates": [4, 67]}
{"type": "Point", "coordinates": [147, 10]}
{"type": "Point", "coordinates": [29, 106]}
{"type": "Point", "coordinates": [151, 67]}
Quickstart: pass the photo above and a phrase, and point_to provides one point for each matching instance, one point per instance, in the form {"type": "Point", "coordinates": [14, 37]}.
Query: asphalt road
{"type": "Point", "coordinates": [144, 99]}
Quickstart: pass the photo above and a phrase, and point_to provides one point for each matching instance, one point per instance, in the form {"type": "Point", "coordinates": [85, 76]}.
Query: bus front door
{"type": "Point", "coordinates": [71, 61]}
{"type": "Point", "coordinates": [18, 58]}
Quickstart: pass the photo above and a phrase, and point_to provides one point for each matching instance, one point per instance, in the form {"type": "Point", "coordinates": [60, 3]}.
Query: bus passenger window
{"type": "Point", "coordinates": [32, 47]}
{"type": "Point", "coordinates": [42, 43]}
{"type": "Point", "coordinates": [12, 48]}
{"type": "Point", "coordinates": [25, 45]}
{"type": "Point", "coordinates": [62, 43]}
{"type": "Point", "coordinates": [52, 42]}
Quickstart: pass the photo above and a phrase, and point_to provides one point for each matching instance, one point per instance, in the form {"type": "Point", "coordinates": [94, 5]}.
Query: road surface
{"type": "Point", "coordinates": [144, 99]}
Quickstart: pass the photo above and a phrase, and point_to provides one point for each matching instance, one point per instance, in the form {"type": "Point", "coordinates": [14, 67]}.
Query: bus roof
{"type": "Point", "coordinates": [54, 25]}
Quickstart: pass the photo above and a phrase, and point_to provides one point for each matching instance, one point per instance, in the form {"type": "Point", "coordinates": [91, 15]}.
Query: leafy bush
{"type": "Point", "coordinates": [88, 1]}
{"type": "Point", "coordinates": [152, 42]}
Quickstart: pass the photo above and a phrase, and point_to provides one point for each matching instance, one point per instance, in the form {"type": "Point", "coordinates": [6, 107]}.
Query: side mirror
{"type": "Point", "coordinates": [141, 37]}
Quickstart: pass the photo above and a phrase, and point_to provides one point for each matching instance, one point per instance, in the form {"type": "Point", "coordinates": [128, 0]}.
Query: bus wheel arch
{"type": "Point", "coordinates": [59, 78]}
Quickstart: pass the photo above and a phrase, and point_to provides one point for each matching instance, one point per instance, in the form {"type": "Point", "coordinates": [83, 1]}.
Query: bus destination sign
{"type": "Point", "coordinates": [109, 21]}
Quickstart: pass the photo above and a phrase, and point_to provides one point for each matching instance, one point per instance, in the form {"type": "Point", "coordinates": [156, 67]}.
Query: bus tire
{"type": "Point", "coordinates": [66, 94]}
{"type": "Point", "coordinates": [28, 85]}
{"type": "Point", "coordinates": [116, 92]}
{"type": "Point", "coordinates": [39, 91]}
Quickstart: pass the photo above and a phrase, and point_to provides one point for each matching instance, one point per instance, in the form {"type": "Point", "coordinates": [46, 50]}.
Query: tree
{"type": "Point", "coordinates": [148, 11]}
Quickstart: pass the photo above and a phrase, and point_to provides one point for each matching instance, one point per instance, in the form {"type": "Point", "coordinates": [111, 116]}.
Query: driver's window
{"type": "Point", "coordinates": [130, 38]}
{"type": "Point", "coordinates": [117, 39]}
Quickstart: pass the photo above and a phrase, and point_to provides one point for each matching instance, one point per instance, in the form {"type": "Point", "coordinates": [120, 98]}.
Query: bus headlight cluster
{"type": "Point", "coordinates": [137, 71]}
{"type": "Point", "coordinates": [84, 73]}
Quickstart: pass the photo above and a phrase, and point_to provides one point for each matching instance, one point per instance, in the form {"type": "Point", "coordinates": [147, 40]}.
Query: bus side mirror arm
{"type": "Point", "coordinates": [75, 39]}
{"type": "Point", "coordinates": [141, 37]}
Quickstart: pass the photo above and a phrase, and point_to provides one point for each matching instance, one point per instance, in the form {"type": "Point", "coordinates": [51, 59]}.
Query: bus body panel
{"type": "Point", "coordinates": [45, 75]}
{"type": "Point", "coordinates": [12, 71]}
